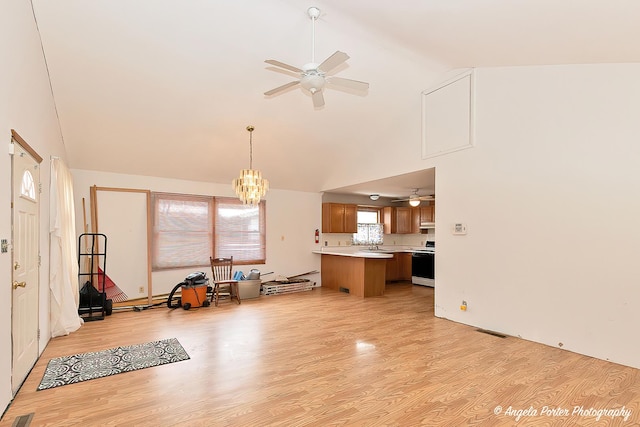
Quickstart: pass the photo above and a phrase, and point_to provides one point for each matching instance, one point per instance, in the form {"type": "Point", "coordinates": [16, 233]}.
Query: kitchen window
{"type": "Point", "coordinates": [370, 230]}
{"type": "Point", "coordinates": [188, 229]}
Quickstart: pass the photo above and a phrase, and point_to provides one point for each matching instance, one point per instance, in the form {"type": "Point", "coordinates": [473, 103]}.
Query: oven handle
{"type": "Point", "coordinates": [422, 254]}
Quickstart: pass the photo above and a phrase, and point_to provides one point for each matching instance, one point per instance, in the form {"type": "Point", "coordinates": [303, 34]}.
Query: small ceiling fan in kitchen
{"type": "Point", "coordinates": [414, 199]}
{"type": "Point", "coordinates": [314, 76]}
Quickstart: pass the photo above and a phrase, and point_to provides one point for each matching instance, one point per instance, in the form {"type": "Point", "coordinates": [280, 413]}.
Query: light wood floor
{"type": "Point", "coordinates": [324, 358]}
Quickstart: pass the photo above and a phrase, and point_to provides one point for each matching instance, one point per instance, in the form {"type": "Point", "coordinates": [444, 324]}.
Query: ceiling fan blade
{"type": "Point", "coordinates": [283, 65]}
{"type": "Point", "coordinates": [348, 83]}
{"type": "Point", "coordinates": [333, 61]}
{"type": "Point", "coordinates": [318, 99]}
{"type": "Point", "coordinates": [282, 88]}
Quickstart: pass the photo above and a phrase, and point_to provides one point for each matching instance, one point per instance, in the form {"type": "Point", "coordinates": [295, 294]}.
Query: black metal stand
{"type": "Point", "coordinates": [94, 304]}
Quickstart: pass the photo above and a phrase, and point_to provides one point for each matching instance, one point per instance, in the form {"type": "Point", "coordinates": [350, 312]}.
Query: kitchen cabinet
{"type": "Point", "coordinates": [404, 266]}
{"type": "Point", "coordinates": [398, 267]}
{"type": "Point", "coordinates": [428, 213]}
{"type": "Point", "coordinates": [339, 218]}
{"type": "Point", "coordinates": [416, 219]}
{"type": "Point", "coordinates": [421, 214]}
{"type": "Point", "coordinates": [392, 272]}
{"type": "Point", "coordinates": [397, 220]}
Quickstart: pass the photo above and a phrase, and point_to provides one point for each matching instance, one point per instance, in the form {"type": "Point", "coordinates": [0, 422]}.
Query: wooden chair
{"type": "Point", "coordinates": [223, 283]}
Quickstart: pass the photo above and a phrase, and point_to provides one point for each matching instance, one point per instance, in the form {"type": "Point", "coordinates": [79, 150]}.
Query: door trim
{"type": "Point", "coordinates": [17, 138]}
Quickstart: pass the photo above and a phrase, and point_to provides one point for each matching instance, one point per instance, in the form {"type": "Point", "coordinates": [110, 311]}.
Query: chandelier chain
{"type": "Point", "coordinates": [250, 129]}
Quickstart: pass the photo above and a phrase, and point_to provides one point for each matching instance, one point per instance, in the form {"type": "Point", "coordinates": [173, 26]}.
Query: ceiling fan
{"type": "Point", "coordinates": [414, 199]}
{"type": "Point", "coordinates": [313, 76]}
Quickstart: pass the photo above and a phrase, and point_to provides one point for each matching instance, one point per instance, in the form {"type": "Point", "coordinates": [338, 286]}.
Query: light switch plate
{"type": "Point", "coordinates": [4, 246]}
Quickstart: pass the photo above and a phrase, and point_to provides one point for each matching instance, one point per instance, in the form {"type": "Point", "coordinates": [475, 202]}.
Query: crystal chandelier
{"type": "Point", "coordinates": [250, 186]}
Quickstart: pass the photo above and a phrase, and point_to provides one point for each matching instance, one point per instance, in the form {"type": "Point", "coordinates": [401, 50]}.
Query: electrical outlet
{"type": "Point", "coordinates": [141, 289]}
{"type": "Point", "coordinates": [463, 306]}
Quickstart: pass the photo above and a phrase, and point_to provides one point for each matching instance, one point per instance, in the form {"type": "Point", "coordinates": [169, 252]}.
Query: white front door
{"type": "Point", "coordinates": [25, 264]}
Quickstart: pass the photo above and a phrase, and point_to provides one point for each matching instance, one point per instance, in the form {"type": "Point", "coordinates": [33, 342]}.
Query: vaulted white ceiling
{"type": "Point", "coordinates": [167, 87]}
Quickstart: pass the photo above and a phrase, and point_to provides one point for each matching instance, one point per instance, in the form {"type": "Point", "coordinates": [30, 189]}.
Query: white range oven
{"type": "Point", "coordinates": [423, 265]}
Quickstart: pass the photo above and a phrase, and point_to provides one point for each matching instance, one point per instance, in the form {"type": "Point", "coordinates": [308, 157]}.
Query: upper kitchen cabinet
{"type": "Point", "coordinates": [339, 218]}
{"type": "Point", "coordinates": [421, 215]}
{"type": "Point", "coordinates": [397, 220]}
{"type": "Point", "coordinates": [428, 213]}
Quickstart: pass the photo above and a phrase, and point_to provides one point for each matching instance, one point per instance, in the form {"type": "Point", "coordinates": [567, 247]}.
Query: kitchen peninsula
{"type": "Point", "coordinates": [361, 272]}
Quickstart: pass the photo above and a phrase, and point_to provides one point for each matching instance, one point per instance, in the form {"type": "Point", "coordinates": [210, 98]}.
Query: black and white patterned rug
{"type": "Point", "coordinates": [87, 366]}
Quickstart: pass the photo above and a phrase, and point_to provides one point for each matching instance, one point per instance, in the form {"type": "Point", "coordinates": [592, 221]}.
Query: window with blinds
{"type": "Point", "coordinates": [240, 231]}
{"type": "Point", "coordinates": [188, 229]}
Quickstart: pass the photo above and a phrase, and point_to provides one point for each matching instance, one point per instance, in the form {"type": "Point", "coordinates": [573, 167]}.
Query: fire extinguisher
{"type": "Point", "coordinates": [317, 236]}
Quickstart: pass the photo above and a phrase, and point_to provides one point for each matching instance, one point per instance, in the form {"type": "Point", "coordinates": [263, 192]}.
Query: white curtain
{"type": "Point", "coordinates": [63, 273]}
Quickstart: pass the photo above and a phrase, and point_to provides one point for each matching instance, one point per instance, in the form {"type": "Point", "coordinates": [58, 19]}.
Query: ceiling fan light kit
{"type": "Point", "coordinates": [313, 76]}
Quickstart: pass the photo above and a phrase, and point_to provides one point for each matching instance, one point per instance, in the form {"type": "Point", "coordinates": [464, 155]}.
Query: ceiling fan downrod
{"type": "Point", "coordinates": [314, 13]}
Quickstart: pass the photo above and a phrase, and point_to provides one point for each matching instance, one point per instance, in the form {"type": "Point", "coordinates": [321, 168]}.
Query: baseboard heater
{"type": "Point", "coordinates": [286, 287]}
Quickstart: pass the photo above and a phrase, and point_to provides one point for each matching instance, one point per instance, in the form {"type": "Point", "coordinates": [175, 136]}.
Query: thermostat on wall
{"type": "Point", "coordinates": [459, 228]}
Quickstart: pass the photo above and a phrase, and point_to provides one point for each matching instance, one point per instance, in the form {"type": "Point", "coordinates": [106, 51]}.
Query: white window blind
{"type": "Point", "coordinates": [240, 231]}
{"type": "Point", "coordinates": [182, 230]}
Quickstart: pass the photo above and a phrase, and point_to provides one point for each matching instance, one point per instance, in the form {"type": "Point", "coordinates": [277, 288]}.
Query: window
{"type": "Point", "coordinates": [188, 229]}
{"type": "Point", "coordinates": [370, 231]}
{"type": "Point", "coordinates": [182, 231]}
{"type": "Point", "coordinates": [368, 216]}
{"type": "Point", "coordinates": [28, 187]}
{"type": "Point", "coordinates": [239, 231]}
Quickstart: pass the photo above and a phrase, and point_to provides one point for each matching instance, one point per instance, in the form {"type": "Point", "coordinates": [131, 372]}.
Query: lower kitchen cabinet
{"type": "Point", "coordinates": [404, 265]}
{"type": "Point", "coordinates": [398, 267]}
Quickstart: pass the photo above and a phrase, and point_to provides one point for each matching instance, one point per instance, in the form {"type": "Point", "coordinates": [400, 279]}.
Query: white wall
{"type": "Point", "coordinates": [26, 105]}
{"type": "Point", "coordinates": [550, 198]}
{"type": "Point", "coordinates": [292, 218]}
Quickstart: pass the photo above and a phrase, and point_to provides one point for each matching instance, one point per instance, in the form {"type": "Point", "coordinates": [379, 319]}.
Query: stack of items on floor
{"type": "Point", "coordinates": [286, 285]}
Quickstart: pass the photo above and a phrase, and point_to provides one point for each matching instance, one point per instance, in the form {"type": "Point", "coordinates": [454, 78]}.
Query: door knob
{"type": "Point", "coordinates": [16, 265]}
{"type": "Point", "coordinates": [17, 285]}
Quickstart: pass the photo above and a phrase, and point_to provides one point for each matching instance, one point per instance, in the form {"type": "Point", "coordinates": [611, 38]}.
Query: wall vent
{"type": "Point", "coordinates": [22, 420]}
